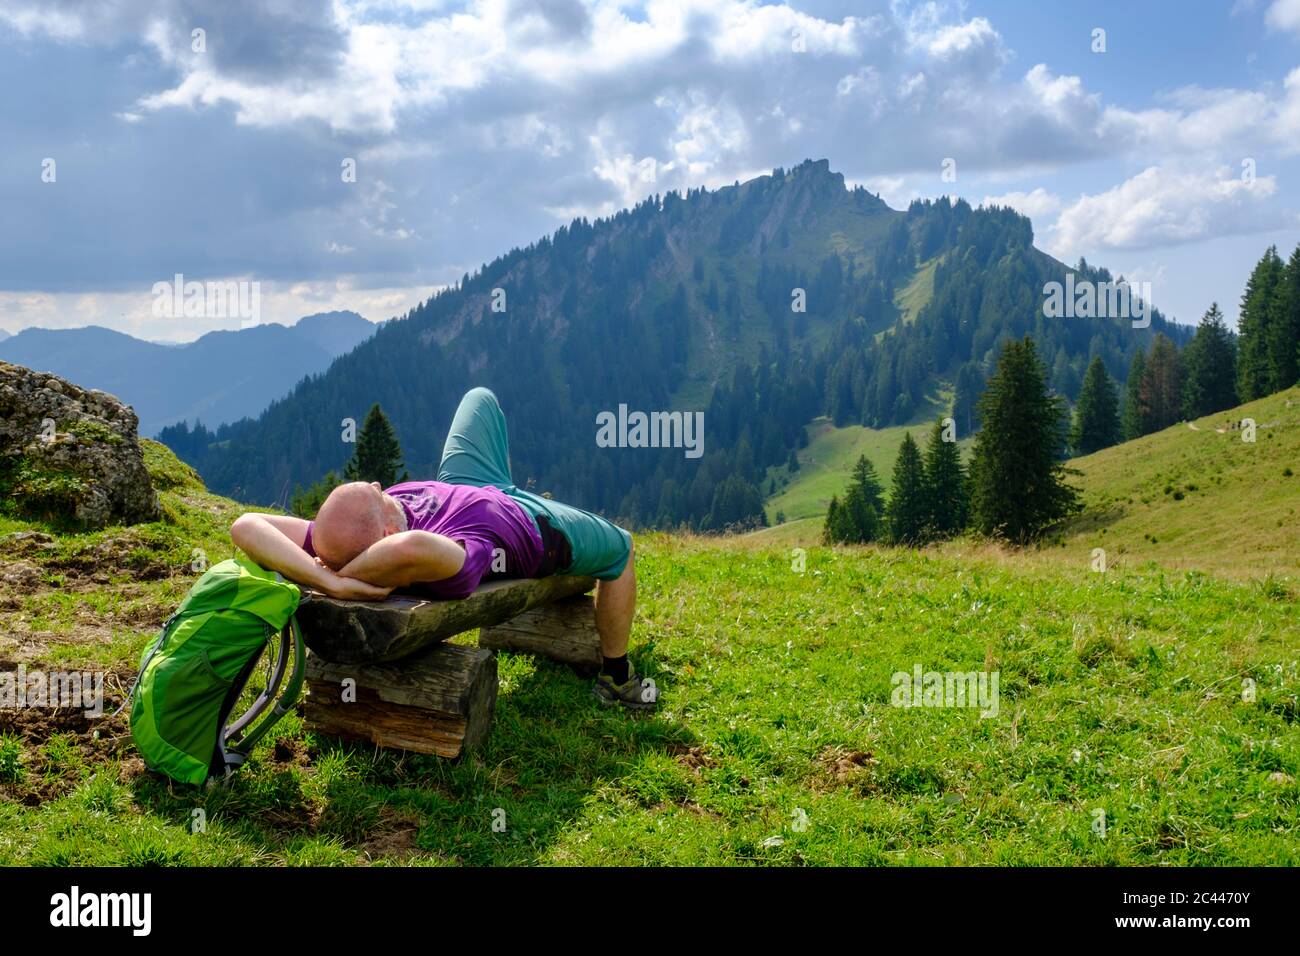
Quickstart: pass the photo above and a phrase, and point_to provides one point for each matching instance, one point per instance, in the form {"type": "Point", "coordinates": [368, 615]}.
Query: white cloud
{"type": "Point", "coordinates": [704, 134]}
{"type": "Point", "coordinates": [1284, 15]}
{"type": "Point", "coordinates": [733, 83]}
{"type": "Point", "coordinates": [1199, 121]}
{"type": "Point", "coordinates": [1038, 204]}
{"type": "Point", "coordinates": [865, 80]}
{"type": "Point", "coordinates": [545, 76]}
{"type": "Point", "coordinates": [1165, 206]}
{"type": "Point", "coordinates": [1062, 97]}
{"type": "Point", "coordinates": [632, 177]}
{"type": "Point", "coordinates": [477, 125]}
{"type": "Point", "coordinates": [960, 38]}
{"type": "Point", "coordinates": [748, 29]}
{"type": "Point", "coordinates": [911, 87]}
{"type": "Point", "coordinates": [381, 215]}
{"type": "Point", "coordinates": [397, 67]}
{"type": "Point", "coordinates": [1287, 126]}
{"type": "Point", "coordinates": [894, 190]}
{"type": "Point", "coordinates": [37, 20]}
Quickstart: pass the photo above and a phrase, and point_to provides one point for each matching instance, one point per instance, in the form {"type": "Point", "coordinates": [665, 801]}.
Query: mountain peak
{"type": "Point", "coordinates": [816, 173]}
{"type": "Point", "coordinates": [816, 167]}
{"type": "Point", "coordinates": [341, 316]}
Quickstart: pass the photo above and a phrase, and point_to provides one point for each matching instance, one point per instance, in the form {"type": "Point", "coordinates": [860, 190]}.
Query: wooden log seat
{"type": "Point", "coordinates": [381, 671]}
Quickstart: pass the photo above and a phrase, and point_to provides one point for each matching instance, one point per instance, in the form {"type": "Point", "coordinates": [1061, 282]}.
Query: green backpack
{"type": "Point", "coordinates": [195, 673]}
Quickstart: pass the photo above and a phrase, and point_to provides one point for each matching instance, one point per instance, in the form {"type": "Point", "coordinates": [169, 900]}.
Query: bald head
{"type": "Point", "coordinates": [351, 520]}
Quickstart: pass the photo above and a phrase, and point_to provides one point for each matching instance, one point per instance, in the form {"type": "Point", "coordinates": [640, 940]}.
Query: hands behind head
{"type": "Point", "coordinates": [349, 589]}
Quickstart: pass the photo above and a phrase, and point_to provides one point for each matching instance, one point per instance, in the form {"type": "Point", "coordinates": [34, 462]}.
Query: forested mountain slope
{"type": "Point", "coordinates": [763, 304]}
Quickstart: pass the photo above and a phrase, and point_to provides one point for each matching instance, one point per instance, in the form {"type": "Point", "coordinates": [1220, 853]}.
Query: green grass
{"type": "Point", "coordinates": [1197, 498]}
{"type": "Point", "coordinates": [827, 462]}
{"type": "Point", "coordinates": [796, 532]}
{"type": "Point", "coordinates": [824, 466]}
{"type": "Point", "coordinates": [1191, 497]}
{"type": "Point", "coordinates": [918, 292]}
{"type": "Point", "coordinates": [1119, 692]}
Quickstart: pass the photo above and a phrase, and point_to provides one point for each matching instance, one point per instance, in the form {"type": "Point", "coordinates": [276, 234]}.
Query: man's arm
{"type": "Point", "coordinates": [275, 542]}
{"type": "Point", "coordinates": [405, 558]}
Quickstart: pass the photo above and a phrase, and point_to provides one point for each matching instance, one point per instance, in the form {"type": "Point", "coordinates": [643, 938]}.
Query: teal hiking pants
{"type": "Point", "coordinates": [477, 453]}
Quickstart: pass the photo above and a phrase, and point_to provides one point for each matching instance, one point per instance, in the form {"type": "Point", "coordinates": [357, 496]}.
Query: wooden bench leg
{"type": "Point", "coordinates": [438, 701]}
{"type": "Point", "coordinates": [564, 630]}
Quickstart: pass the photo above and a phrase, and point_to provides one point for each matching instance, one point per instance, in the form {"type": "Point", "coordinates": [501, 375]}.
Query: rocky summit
{"type": "Point", "coordinates": [70, 455]}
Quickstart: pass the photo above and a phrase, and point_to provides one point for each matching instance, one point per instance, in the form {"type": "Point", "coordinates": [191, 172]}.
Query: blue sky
{"type": "Point", "coordinates": [477, 127]}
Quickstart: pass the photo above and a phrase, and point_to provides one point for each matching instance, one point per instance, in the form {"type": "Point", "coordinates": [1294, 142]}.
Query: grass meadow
{"type": "Point", "coordinates": [1162, 703]}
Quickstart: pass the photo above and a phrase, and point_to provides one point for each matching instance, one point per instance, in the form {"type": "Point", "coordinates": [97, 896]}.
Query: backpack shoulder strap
{"type": "Point", "coordinates": [234, 743]}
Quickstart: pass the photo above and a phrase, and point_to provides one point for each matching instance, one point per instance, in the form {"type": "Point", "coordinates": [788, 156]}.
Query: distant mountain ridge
{"type": "Point", "coordinates": [221, 377]}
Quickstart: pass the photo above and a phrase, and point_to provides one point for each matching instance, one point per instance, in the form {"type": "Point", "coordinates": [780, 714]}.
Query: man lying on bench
{"type": "Point", "coordinates": [443, 537]}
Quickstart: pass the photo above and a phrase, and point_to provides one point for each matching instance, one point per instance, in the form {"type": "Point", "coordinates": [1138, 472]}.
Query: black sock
{"type": "Point", "coordinates": [615, 667]}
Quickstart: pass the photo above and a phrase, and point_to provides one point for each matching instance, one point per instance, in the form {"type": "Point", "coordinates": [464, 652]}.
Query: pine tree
{"type": "Point", "coordinates": [1210, 360]}
{"type": "Point", "coordinates": [1134, 419]}
{"type": "Point", "coordinates": [868, 482]}
{"type": "Point", "coordinates": [305, 502]}
{"type": "Point", "coordinates": [1258, 304]}
{"type": "Point", "coordinates": [945, 483]}
{"type": "Point", "coordinates": [1161, 390]}
{"type": "Point", "coordinates": [908, 513]}
{"type": "Point", "coordinates": [1096, 420]}
{"type": "Point", "coordinates": [378, 456]}
{"type": "Point", "coordinates": [1284, 332]}
{"type": "Point", "coordinates": [1017, 479]}
{"type": "Point", "coordinates": [737, 503]}
{"type": "Point", "coordinates": [966, 398]}
{"type": "Point", "coordinates": [856, 520]}
{"type": "Point", "coordinates": [861, 517]}
{"type": "Point", "coordinates": [833, 527]}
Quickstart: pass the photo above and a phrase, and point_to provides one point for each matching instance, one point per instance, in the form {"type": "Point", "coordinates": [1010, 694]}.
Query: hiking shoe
{"type": "Point", "coordinates": [635, 693]}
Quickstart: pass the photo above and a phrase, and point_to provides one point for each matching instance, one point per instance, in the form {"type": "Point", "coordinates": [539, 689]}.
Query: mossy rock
{"type": "Point", "coordinates": [92, 431]}
{"type": "Point", "coordinates": [30, 491]}
{"type": "Point", "coordinates": [70, 456]}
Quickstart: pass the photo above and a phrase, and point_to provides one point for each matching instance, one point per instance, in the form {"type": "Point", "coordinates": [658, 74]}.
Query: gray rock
{"type": "Point", "coordinates": [36, 539]}
{"type": "Point", "coordinates": [71, 454]}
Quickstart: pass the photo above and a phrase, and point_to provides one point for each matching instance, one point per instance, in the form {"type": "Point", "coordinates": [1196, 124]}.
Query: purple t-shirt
{"type": "Point", "coordinates": [481, 519]}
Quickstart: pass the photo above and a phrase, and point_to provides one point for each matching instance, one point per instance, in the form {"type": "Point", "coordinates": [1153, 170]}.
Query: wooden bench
{"type": "Point", "coordinates": [383, 671]}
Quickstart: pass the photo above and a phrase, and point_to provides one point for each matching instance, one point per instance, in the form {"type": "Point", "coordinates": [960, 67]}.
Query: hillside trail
{"type": "Point", "coordinates": [1221, 431]}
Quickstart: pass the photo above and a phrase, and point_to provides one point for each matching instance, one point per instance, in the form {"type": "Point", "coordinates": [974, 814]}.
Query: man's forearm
{"type": "Point", "coordinates": [272, 550]}
{"type": "Point", "coordinates": [406, 558]}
